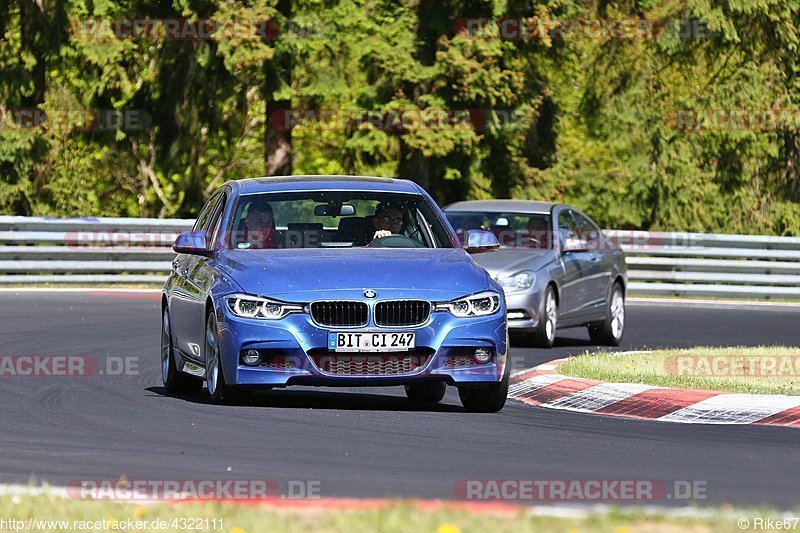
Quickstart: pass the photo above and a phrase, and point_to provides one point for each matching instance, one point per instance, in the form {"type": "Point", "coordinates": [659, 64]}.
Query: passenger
{"type": "Point", "coordinates": [259, 228]}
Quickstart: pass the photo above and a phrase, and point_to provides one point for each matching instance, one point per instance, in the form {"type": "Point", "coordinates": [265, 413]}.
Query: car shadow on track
{"type": "Point", "coordinates": [565, 342]}
{"type": "Point", "coordinates": [559, 342]}
{"type": "Point", "coordinates": [312, 399]}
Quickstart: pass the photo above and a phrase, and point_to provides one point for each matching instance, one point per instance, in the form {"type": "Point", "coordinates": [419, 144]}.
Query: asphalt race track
{"type": "Point", "coordinates": [362, 442]}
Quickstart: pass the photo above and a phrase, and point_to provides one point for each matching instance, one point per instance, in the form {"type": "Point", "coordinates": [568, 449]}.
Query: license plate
{"type": "Point", "coordinates": [367, 341]}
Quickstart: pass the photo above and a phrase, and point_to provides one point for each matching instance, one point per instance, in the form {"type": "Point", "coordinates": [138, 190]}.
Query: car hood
{"type": "Point", "coordinates": [436, 274]}
{"type": "Point", "coordinates": [509, 261]}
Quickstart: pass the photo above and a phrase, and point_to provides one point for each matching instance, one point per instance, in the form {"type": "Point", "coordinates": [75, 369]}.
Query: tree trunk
{"type": "Point", "coordinates": [278, 133]}
{"type": "Point", "coordinates": [414, 166]}
{"type": "Point", "coordinates": [791, 146]}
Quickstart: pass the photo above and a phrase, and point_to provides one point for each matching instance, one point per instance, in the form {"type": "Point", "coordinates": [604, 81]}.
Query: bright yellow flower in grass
{"type": "Point", "coordinates": [140, 511]}
{"type": "Point", "coordinates": [448, 528]}
{"type": "Point", "coordinates": [238, 529]}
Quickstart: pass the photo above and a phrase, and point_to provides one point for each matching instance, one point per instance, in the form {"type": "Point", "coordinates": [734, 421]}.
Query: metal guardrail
{"type": "Point", "coordinates": [35, 250]}
{"type": "Point", "coordinates": [711, 265]}
{"type": "Point", "coordinates": [138, 251]}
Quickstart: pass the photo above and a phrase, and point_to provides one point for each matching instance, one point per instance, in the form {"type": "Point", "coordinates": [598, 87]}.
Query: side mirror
{"type": "Point", "coordinates": [192, 242]}
{"type": "Point", "coordinates": [575, 245]}
{"type": "Point", "coordinates": [478, 241]}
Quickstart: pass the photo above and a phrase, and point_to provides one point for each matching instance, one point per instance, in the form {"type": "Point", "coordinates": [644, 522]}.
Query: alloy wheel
{"type": "Point", "coordinates": [551, 315]}
{"type": "Point", "coordinates": [617, 313]}
{"type": "Point", "coordinates": [212, 356]}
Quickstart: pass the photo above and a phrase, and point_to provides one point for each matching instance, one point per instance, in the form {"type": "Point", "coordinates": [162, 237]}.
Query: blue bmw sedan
{"type": "Point", "coordinates": [332, 281]}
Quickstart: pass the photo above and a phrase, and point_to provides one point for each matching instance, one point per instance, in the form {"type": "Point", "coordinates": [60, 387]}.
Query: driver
{"type": "Point", "coordinates": [538, 232]}
{"type": "Point", "coordinates": [388, 220]}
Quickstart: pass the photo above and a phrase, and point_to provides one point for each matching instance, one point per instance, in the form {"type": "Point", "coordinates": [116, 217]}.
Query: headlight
{"type": "Point", "coordinates": [247, 306]}
{"type": "Point", "coordinates": [481, 304]}
{"type": "Point", "coordinates": [519, 281]}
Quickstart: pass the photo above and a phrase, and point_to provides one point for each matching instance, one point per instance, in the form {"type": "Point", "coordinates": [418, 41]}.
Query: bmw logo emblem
{"type": "Point", "coordinates": [369, 293]}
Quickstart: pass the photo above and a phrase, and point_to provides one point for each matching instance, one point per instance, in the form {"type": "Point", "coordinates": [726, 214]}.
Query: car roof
{"type": "Point", "coordinates": [322, 183]}
{"type": "Point", "coordinates": [517, 206]}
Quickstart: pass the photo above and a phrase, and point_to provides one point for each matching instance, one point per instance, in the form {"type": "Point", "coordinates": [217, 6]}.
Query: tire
{"type": "Point", "coordinates": [609, 332]}
{"type": "Point", "coordinates": [432, 392]}
{"type": "Point", "coordinates": [545, 333]}
{"type": "Point", "coordinates": [174, 380]}
{"type": "Point", "coordinates": [218, 390]}
{"type": "Point", "coordinates": [486, 399]}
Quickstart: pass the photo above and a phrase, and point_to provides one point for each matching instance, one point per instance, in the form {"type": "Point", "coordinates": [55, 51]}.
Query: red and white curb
{"type": "Point", "coordinates": [570, 510]}
{"type": "Point", "coordinates": [542, 386]}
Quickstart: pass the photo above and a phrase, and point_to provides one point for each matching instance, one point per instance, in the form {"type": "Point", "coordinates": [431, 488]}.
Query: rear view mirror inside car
{"type": "Point", "coordinates": [334, 210]}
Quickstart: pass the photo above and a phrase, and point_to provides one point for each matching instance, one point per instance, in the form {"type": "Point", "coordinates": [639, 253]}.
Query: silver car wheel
{"type": "Point", "coordinates": [617, 314]}
{"type": "Point", "coordinates": [212, 356]}
{"type": "Point", "coordinates": [551, 315]}
{"type": "Point", "coordinates": [166, 345]}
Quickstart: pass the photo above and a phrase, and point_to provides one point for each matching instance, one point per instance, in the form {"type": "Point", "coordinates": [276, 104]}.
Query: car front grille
{"type": "Point", "coordinates": [460, 360]}
{"type": "Point", "coordinates": [402, 312]}
{"type": "Point", "coordinates": [370, 364]}
{"type": "Point", "coordinates": [279, 363]}
{"type": "Point", "coordinates": [339, 313]}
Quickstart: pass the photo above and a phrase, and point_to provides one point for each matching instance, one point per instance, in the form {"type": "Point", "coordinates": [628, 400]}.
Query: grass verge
{"type": "Point", "coordinates": [759, 370]}
{"type": "Point", "coordinates": [400, 516]}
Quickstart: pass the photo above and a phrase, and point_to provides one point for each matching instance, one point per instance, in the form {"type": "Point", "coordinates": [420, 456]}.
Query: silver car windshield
{"type": "Point", "coordinates": [513, 230]}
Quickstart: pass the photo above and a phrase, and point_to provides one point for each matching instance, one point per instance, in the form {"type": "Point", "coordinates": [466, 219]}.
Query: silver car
{"type": "Point", "coordinates": [558, 270]}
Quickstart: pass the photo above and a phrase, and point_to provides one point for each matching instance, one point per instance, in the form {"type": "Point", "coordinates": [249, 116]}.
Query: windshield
{"type": "Point", "coordinates": [513, 230]}
{"type": "Point", "coordinates": [335, 219]}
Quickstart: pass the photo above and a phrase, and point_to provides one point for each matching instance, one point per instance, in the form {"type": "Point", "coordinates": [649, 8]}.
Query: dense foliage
{"type": "Point", "coordinates": [656, 115]}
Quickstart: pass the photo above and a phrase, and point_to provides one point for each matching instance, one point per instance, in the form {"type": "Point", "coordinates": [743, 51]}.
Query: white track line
{"type": "Point", "coordinates": [27, 490]}
{"type": "Point", "coordinates": [737, 304]}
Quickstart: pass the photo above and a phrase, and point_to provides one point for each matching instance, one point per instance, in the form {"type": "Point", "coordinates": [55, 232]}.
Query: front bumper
{"type": "Point", "coordinates": [295, 342]}
{"type": "Point", "coordinates": [523, 309]}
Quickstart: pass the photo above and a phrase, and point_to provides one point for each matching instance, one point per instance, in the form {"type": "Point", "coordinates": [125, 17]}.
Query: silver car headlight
{"type": "Point", "coordinates": [481, 304]}
{"type": "Point", "coordinates": [247, 306]}
{"type": "Point", "coordinates": [518, 282]}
